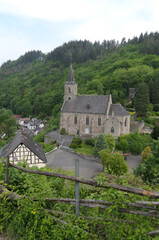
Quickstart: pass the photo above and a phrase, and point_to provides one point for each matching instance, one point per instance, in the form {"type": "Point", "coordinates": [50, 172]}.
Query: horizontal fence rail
{"type": "Point", "coordinates": [94, 183]}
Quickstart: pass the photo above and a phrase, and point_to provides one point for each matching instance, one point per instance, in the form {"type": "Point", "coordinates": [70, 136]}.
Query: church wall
{"type": "Point", "coordinates": [118, 124]}
{"type": "Point", "coordinates": [113, 126]}
{"type": "Point", "coordinates": [125, 127]}
{"type": "Point", "coordinates": [92, 129]}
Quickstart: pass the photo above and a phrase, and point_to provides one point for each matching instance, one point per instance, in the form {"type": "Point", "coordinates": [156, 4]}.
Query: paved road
{"type": "Point", "coordinates": [66, 160]}
{"type": "Point", "coordinates": [87, 168]}
{"type": "Point", "coordinates": [133, 161]}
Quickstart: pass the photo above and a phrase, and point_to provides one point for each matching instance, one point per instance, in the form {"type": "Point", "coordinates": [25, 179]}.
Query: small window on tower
{"type": "Point", "coordinates": [75, 120]}
{"type": "Point", "coordinates": [69, 90]}
{"type": "Point", "coordinates": [99, 121]}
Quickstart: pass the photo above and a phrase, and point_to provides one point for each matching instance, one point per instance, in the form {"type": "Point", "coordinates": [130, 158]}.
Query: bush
{"type": "Point", "coordinates": [114, 163]}
{"type": "Point", "coordinates": [40, 137]}
{"type": "Point", "coordinates": [123, 143]}
{"type": "Point", "coordinates": [133, 143]}
{"type": "Point", "coordinates": [90, 141]}
{"type": "Point", "coordinates": [73, 145]}
{"type": "Point", "coordinates": [136, 143]}
{"type": "Point", "coordinates": [148, 171]}
{"type": "Point", "coordinates": [63, 131]}
{"type": "Point", "coordinates": [77, 141]}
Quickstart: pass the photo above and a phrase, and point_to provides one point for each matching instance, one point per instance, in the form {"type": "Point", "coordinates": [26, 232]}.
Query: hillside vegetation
{"type": "Point", "coordinates": [33, 84]}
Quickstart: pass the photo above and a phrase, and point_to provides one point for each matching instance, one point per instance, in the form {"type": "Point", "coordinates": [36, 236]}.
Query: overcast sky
{"type": "Point", "coordinates": [27, 25]}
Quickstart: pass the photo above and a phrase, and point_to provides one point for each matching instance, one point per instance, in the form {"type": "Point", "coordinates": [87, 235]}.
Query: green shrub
{"type": "Point", "coordinates": [90, 141]}
{"type": "Point", "coordinates": [63, 131]}
{"type": "Point", "coordinates": [114, 163]}
{"type": "Point", "coordinates": [149, 120]}
{"type": "Point", "coordinates": [110, 141]}
{"type": "Point", "coordinates": [136, 143]}
{"type": "Point", "coordinates": [77, 141]}
{"type": "Point", "coordinates": [123, 145]}
{"type": "Point", "coordinates": [73, 145]}
{"type": "Point", "coordinates": [40, 137]}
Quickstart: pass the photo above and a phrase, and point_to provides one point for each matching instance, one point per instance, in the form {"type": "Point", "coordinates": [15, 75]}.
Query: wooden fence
{"type": "Point", "coordinates": [147, 208]}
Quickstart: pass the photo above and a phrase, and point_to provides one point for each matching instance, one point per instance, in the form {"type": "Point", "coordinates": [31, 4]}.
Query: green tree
{"type": "Point", "coordinates": [155, 132]}
{"type": "Point", "coordinates": [7, 122]}
{"type": "Point", "coordinates": [115, 96]}
{"type": "Point", "coordinates": [110, 141]}
{"type": "Point", "coordinates": [100, 144]}
{"type": "Point", "coordinates": [114, 163]}
{"type": "Point", "coordinates": [146, 154]}
{"type": "Point", "coordinates": [148, 170]}
{"type": "Point", "coordinates": [142, 99]}
{"type": "Point", "coordinates": [104, 156]}
{"type": "Point", "coordinates": [136, 143]}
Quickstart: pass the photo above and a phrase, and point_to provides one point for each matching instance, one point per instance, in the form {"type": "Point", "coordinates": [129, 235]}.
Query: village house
{"type": "Point", "coordinates": [89, 115]}
{"type": "Point", "coordinates": [23, 148]}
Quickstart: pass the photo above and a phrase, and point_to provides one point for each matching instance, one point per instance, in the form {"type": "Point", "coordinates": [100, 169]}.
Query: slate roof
{"type": "Point", "coordinates": [89, 104]}
{"type": "Point", "coordinates": [23, 138]}
{"type": "Point", "coordinates": [71, 79]}
{"type": "Point", "coordinates": [118, 110]}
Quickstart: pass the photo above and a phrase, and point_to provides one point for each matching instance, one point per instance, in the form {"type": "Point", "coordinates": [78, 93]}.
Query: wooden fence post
{"type": "Point", "coordinates": [7, 171]}
{"type": "Point", "coordinates": [77, 187]}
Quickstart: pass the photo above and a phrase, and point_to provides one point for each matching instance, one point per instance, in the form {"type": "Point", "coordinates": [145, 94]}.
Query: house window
{"type": "Point", "coordinates": [87, 120]}
{"type": "Point", "coordinates": [112, 130]}
{"type": "Point", "coordinates": [75, 120]}
{"type": "Point", "coordinates": [125, 122]}
{"type": "Point", "coordinates": [99, 121]}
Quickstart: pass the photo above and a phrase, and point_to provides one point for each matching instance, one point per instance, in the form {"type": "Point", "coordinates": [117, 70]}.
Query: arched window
{"type": "Point", "coordinates": [112, 130]}
{"type": "Point", "coordinates": [69, 90]}
{"type": "Point", "coordinates": [87, 120]}
{"type": "Point", "coordinates": [75, 120]}
{"type": "Point", "coordinates": [125, 122]}
{"type": "Point", "coordinates": [99, 121]}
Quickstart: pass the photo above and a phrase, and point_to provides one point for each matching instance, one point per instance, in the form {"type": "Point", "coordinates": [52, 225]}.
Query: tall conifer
{"type": "Point", "coordinates": [142, 99]}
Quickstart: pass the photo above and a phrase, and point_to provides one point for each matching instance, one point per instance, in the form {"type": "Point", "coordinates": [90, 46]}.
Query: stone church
{"type": "Point", "coordinates": [89, 115]}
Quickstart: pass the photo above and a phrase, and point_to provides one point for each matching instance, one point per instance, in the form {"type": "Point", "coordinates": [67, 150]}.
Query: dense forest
{"type": "Point", "coordinates": [33, 84]}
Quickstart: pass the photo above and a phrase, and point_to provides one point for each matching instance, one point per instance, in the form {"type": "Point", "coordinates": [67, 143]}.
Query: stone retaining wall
{"type": "Point", "coordinates": [88, 157]}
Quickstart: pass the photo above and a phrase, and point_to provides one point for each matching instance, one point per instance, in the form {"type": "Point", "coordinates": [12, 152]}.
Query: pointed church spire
{"type": "Point", "coordinates": [71, 79]}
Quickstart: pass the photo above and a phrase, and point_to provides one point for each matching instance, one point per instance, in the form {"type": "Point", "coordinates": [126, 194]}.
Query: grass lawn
{"type": "Point", "coordinates": [85, 149]}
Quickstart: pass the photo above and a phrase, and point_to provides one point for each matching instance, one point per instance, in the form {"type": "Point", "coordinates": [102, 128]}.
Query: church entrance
{"type": "Point", "coordinates": [87, 130]}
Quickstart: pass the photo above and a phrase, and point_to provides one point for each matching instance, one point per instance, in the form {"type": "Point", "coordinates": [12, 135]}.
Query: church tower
{"type": "Point", "coordinates": [70, 87]}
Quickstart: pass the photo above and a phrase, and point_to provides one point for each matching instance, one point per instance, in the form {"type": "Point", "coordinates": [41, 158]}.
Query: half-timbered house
{"type": "Point", "coordinates": [23, 148]}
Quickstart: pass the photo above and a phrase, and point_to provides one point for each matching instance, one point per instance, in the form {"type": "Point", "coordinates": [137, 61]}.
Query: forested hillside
{"type": "Point", "coordinates": [33, 84]}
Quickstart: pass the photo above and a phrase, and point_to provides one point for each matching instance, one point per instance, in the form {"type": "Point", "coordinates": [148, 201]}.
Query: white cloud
{"type": "Point", "coordinates": [70, 20]}
{"type": "Point", "coordinates": [50, 9]}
